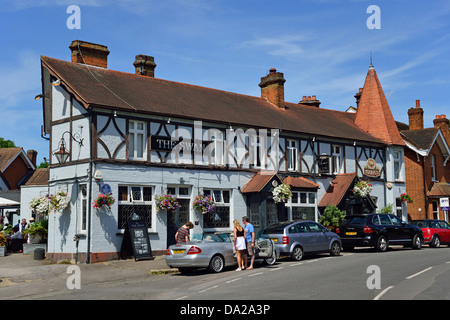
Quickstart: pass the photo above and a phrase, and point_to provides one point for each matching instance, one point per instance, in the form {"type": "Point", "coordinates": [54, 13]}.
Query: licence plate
{"type": "Point", "coordinates": [350, 233]}
{"type": "Point", "coordinates": [274, 240]}
{"type": "Point", "coordinates": [178, 251]}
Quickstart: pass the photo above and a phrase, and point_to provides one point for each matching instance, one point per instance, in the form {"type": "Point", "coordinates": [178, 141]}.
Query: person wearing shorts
{"type": "Point", "coordinates": [250, 239]}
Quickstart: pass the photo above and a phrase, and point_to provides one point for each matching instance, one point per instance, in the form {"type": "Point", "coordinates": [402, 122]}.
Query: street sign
{"type": "Point", "coordinates": [444, 204]}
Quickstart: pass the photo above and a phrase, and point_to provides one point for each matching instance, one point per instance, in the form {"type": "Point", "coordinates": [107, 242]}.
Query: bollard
{"type": "Point", "coordinates": [39, 254]}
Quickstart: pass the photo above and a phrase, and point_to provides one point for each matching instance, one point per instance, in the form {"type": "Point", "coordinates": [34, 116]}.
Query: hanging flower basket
{"type": "Point", "coordinates": [204, 203]}
{"type": "Point", "coordinates": [405, 198]}
{"type": "Point", "coordinates": [362, 188]}
{"type": "Point", "coordinates": [59, 201]}
{"type": "Point", "coordinates": [104, 200]}
{"type": "Point", "coordinates": [282, 193]}
{"type": "Point", "coordinates": [40, 205]}
{"type": "Point", "coordinates": [166, 202]}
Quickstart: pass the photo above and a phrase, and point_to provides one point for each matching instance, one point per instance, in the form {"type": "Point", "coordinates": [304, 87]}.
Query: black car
{"type": "Point", "coordinates": [378, 231]}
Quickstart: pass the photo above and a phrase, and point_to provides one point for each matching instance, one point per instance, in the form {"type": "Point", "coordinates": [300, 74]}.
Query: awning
{"type": "Point", "coordinates": [8, 204]}
{"type": "Point", "coordinates": [258, 182]}
{"type": "Point", "coordinates": [338, 188]}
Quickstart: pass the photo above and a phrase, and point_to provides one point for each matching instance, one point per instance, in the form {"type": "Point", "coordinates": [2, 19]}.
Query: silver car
{"type": "Point", "coordinates": [214, 251]}
{"type": "Point", "coordinates": [297, 238]}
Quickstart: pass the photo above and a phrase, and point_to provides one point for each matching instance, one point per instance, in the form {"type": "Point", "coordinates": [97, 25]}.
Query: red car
{"type": "Point", "coordinates": [435, 232]}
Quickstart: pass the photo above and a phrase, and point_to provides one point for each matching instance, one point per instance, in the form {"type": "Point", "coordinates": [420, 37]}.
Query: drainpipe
{"type": "Point", "coordinates": [88, 251]}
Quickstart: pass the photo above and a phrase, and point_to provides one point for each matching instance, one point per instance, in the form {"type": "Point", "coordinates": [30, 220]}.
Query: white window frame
{"type": "Point", "coordinates": [83, 208]}
{"type": "Point", "coordinates": [336, 159]}
{"type": "Point", "coordinates": [133, 141]}
{"type": "Point", "coordinates": [397, 156]}
{"type": "Point", "coordinates": [433, 167]}
{"type": "Point", "coordinates": [299, 203]}
{"type": "Point", "coordinates": [292, 155]}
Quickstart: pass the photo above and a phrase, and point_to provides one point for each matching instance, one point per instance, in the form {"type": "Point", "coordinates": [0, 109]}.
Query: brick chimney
{"type": "Point", "coordinates": [415, 117]}
{"type": "Point", "coordinates": [311, 101]}
{"type": "Point", "coordinates": [32, 155]}
{"type": "Point", "coordinates": [442, 122]}
{"type": "Point", "coordinates": [144, 65]}
{"type": "Point", "coordinates": [272, 87]}
{"type": "Point", "coordinates": [89, 53]}
{"type": "Point", "coordinates": [358, 96]}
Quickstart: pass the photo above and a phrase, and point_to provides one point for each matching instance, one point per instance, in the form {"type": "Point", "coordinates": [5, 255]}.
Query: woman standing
{"type": "Point", "coordinates": [239, 243]}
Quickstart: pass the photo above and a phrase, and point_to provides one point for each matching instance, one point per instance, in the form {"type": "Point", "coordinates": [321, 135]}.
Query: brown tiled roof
{"type": "Point", "coordinates": [421, 138]}
{"type": "Point", "coordinates": [258, 182]}
{"type": "Point", "coordinates": [6, 155]}
{"type": "Point", "coordinates": [374, 115]}
{"type": "Point", "coordinates": [337, 189]}
{"type": "Point", "coordinates": [39, 177]}
{"type": "Point", "coordinates": [129, 92]}
{"type": "Point", "coordinates": [440, 189]}
{"type": "Point", "coordinates": [300, 182]}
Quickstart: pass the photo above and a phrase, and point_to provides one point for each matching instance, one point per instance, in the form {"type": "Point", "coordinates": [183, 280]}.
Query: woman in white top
{"type": "Point", "coordinates": [239, 243]}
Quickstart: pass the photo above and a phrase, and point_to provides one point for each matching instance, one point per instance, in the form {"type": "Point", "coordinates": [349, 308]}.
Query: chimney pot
{"type": "Point", "coordinates": [417, 103]}
{"type": "Point", "coordinates": [415, 116]}
{"type": "Point", "coordinates": [272, 87]}
{"type": "Point", "coordinates": [144, 65]}
{"type": "Point", "coordinates": [89, 53]}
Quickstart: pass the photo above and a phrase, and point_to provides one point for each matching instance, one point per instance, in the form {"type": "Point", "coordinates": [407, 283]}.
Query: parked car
{"type": "Point", "coordinates": [378, 231]}
{"type": "Point", "coordinates": [297, 238]}
{"type": "Point", "coordinates": [214, 251]}
{"type": "Point", "coordinates": [435, 232]}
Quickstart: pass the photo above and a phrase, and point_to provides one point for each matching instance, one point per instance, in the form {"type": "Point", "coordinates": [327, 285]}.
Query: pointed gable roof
{"type": "Point", "coordinates": [374, 115]}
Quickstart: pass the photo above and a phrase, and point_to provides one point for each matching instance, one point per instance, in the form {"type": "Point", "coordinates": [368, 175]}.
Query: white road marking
{"type": "Point", "coordinates": [237, 279]}
{"type": "Point", "coordinates": [416, 274]}
{"type": "Point", "coordinates": [296, 264]}
{"type": "Point", "coordinates": [208, 289]}
{"type": "Point", "coordinates": [382, 293]}
{"type": "Point", "coordinates": [276, 269]}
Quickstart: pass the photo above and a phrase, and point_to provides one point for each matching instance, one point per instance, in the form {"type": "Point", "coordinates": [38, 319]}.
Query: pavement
{"type": "Point", "coordinates": [21, 274]}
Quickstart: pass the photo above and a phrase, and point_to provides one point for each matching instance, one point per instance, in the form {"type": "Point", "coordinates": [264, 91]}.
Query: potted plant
{"type": "Point", "coordinates": [40, 205]}
{"type": "Point", "coordinates": [332, 217]}
{"type": "Point", "coordinates": [2, 245]}
{"type": "Point", "coordinates": [204, 203]}
{"type": "Point", "coordinates": [106, 200]}
{"type": "Point", "coordinates": [282, 193]}
{"type": "Point", "coordinates": [362, 188]}
{"type": "Point", "coordinates": [166, 202]}
{"type": "Point", "coordinates": [405, 198]}
{"type": "Point", "coordinates": [38, 232]}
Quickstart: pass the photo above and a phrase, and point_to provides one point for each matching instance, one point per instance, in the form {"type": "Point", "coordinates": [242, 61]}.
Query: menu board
{"type": "Point", "coordinates": [139, 239]}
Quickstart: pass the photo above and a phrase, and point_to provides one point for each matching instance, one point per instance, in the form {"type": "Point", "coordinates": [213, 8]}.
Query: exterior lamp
{"type": "Point", "coordinates": [62, 154]}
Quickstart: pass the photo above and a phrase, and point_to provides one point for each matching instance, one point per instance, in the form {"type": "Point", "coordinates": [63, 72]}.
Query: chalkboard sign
{"type": "Point", "coordinates": [139, 239]}
{"type": "Point", "coordinates": [324, 164]}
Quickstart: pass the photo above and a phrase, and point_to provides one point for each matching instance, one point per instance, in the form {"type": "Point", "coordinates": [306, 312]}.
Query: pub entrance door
{"type": "Point", "coordinates": [175, 219]}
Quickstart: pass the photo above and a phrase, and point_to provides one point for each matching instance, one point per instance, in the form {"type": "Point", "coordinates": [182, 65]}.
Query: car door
{"type": "Point", "coordinates": [305, 237]}
{"type": "Point", "coordinates": [388, 228]}
{"type": "Point", "coordinates": [402, 232]}
{"type": "Point", "coordinates": [319, 236]}
{"type": "Point", "coordinates": [445, 228]}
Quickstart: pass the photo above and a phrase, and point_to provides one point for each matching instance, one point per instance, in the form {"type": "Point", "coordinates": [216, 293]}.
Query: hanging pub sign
{"type": "Point", "coordinates": [371, 169]}
{"type": "Point", "coordinates": [324, 164]}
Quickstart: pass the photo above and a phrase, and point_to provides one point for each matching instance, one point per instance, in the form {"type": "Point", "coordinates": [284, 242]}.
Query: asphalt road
{"type": "Point", "coordinates": [400, 273]}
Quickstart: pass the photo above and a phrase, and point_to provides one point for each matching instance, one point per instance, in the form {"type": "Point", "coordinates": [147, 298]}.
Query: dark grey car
{"type": "Point", "coordinates": [297, 238]}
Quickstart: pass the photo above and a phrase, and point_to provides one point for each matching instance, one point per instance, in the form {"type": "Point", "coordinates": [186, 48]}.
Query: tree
{"type": "Point", "coordinates": [6, 143]}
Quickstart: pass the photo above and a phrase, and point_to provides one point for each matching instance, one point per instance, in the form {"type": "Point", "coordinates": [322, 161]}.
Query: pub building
{"type": "Point", "coordinates": [139, 137]}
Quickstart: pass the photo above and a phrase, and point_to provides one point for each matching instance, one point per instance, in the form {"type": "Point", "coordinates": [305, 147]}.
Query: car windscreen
{"type": "Point", "coordinates": [420, 223]}
{"type": "Point", "coordinates": [275, 229]}
{"type": "Point", "coordinates": [356, 220]}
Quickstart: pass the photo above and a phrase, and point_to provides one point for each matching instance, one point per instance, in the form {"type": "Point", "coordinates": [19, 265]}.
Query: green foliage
{"type": "Point", "coordinates": [40, 229]}
{"type": "Point", "coordinates": [332, 216]}
{"type": "Point", "coordinates": [388, 209]}
{"type": "Point", "coordinates": [6, 143]}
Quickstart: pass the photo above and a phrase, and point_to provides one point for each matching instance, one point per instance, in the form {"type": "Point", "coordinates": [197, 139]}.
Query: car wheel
{"type": "Point", "coordinates": [297, 253]}
{"type": "Point", "coordinates": [417, 242]}
{"type": "Point", "coordinates": [382, 244]}
{"type": "Point", "coordinates": [436, 242]}
{"type": "Point", "coordinates": [335, 249]}
{"type": "Point", "coordinates": [216, 264]}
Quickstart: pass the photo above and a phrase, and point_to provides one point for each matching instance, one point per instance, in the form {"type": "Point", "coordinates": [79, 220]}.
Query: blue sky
{"type": "Point", "coordinates": [322, 47]}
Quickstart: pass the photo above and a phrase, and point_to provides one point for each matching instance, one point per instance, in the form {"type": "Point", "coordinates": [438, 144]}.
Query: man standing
{"type": "Point", "coordinates": [182, 235]}
{"type": "Point", "coordinates": [250, 237]}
